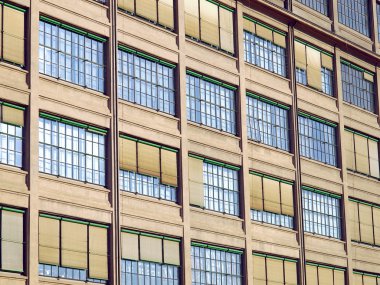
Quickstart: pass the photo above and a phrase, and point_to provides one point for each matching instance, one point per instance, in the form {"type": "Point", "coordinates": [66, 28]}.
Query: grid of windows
{"type": "Point", "coordinates": [326, 79]}
{"type": "Point", "coordinates": [357, 88]}
{"type": "Point", "coordinates": [272, 218]}
{"type": "Point", "coordinates": [211, 104]}
{"type": "Point", "coordinates": [221, 190]}
{"type": "Point", "coordinates": [212, 266]}
{"type": "Point", "coordinates": [71, 151]}
{"type": "Point", "coordinates": [264, 53]}
{"type": "Point", "coordinates": [76, 57]}
{"type": "Point", "coordinates": [67, 273]}
{"type": "Point", "coordinates": [321, 6]}
{"type": "Point", "coordinates": [317, 139]}
{"type": "Point", "coordinates": [148, 273]}
{"type": "Point", "coordinates": [267, 123]}
{"type": "Point", "coordinates": [146, 185]}
{"type": "Point", "coordinates": [322, 213]}
{"type": "Point", "coordinates": [146, 82]}
{"type": "Point", "coordinates": [11, 138]}
{"type": "Point", "coordinates": [355, 15]}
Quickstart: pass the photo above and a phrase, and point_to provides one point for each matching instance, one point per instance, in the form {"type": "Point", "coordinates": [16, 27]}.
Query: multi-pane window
{"type": "Point", "coordinates": [148, 169]}
{"type": "Point", "coordinates": [210, 22]}
{"type": "Point", "coordinates": [321, 6]}
{"type": "Point", "coordinates": [11, 134]}
{"type": "Point", "coordinates": [73, 249]}
{"type": "Point", "coordinates": [211, 103]}
{"type": "Point", "coordinates": [321, 213]}
{"type": "Point", "coordinates": [149, 259]}
{"type": "Point", "coordinates": [145, 80]}
{"type": "Point", "coordinates": [267, 122]}
{"type": "Point", "coordinates": [269, 269]}
{"type": "Point", "coordinates": [355, 15]}
{"type": "Point", "coordinates": [321, 274]}
{"type": "Point", "coordinates": [264, 46]}
{"type": "Point", "coordinates": [214, 185]}
{"type": "Point", "coordinates": [314, 67]}
{"type": "Point", "coordinates": [378, 20]}
{"type": "Point", "coordinates": [215, 265]}
{"type": "Point", "coordinates": [271, 200]}
{"type": "Point", "coordinates": [362, 153]}
{"type": "Point", "coordinates": [364, 278]}
{"type": "Point", "coordinates": [364, 222]}
{"type": "Point", "coordinates": [159, 12]}
{"type": "Point", "coordinates": [358, 86]}
{"type": "Point", "coordinates": [317, 139]}
{"type": "Point", "coordinates": [72, 150]}
{"type": "Point", "coordinates": [71, 54]}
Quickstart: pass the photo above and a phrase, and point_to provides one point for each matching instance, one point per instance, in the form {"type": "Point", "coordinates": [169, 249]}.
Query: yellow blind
{"type": "Point", "coordinates": [128, 5]}
{"type": "Point", "coordinates": [373, 150]}
{"type": "Point", "coordinates": [311, 275]}
{"type": "Point", "coordinates": [226, 30]}
{"type": "Point", "coordinates": [98, 249]}
{"type": "Point", "coordinates": [259, 270]}
{"type": "Point", "coordinates": [279, 40]}
{"type": "Point", "coordinates": [349, 149]}
{"type": "Point", "coordinates": [271, 196]}
{"type": "Point", "coordinates": [369, 280]}
{"type": "Point", "coordinates": [147, 9]}
{"type": "Point", "coordinates": [287, 199]}
{"type": "Point", "coordinates": [148, 160]}
{"type": "Point", "coordinates": [354, 220]}
{"type": "Point", "coordinates": [151, 249]}
{"type": "Point", "coordinates": [13, 36]}
{"type": "Point", "coordinates": [1, 26]}
{"type": "Point", "coordinates": [327, 61]}
{"type": "Point", "coordinates": [275, 271]}
{"type": "Point", "coordinates": [366, 224]}
{"type": "Point", "coordinates": [290, 273]}
{"type": "Point", "coordinates": [209, 22]}
{"type": "Point", "coordinates": [264, 32]}
{"type": "Point", "coordinates": [257, 193]}
{"type": "Point", "coordinates": [127, 154]}
{"type": "Point", "coordinates": [361, 153]}
{"type": "Point", "coordinates": [339, 278]}
{"type": "Point", "coordinates": [192, 18]}
{"type": "Point", "coordinates": [169, 167]}
{"type": "Point", "coordinates": [74, 245]}
{"type": "Point", "coordinates": [314, 78]}
{"type": "Point", "coordinates": [358, 279]}
{"type": "Point", "coordinates": [376, 224]}
{"type": "Point", "coordinates": [368, 77]}
{"type": "Point", "coordinates": [300, 51]}
{"type": "Point", "coordinates": [196, 182]}
{"type": "Point", "coordinates": [171, 252]}
{"type": "Point", "coordinates": [48, 237]}
{"type": "Point", "coordinates": [165, 13]}
{"type": "Point", "coordinates": [249, 26]}
{"type": "Point", "coordinates": [129, 246]}
{"type": "Point", "coordinates": [12, 116]}
{"type": "Point", "coordinates": [325, 276]}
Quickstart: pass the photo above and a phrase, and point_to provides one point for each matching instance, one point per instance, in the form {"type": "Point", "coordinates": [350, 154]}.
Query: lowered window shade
{"type": "Point", "coordinates": [127, 5]}
{"type": "Point", "coordinates": [226, 19]}
{"type": "Point", "coordinates": [363, 278]}
{"type": "Point", "coordinates": [74, 245]}
{"type": "Point", "coordinates": [366, 224]}
{"type": "Point", "coordinates": [49, 246]}
{"type": "Point", "coordinates": [317, 274]}
{"type": "Point", "coordinates": [196, 182]}
{"type": "Point", "coordinates": [98, 251]}
{"type": "Point", "coordinates": [209, 22]}
{"type": "Point", "coordinates": [165, 13]}
{"type": "Point", "coordinates": [150, 249]}
{"type": "Point", "coordinates": [12, 114]}
{"type": "Point", "coordinates": [148, 160]}
{"type": "Point", "coordinates": [354, 221]}
{"type": "Point", "coordinates": [192, 18]}
{"type": "Point", "coordinates": [314, 78]}
{"type": "Point", "coordinates": [147, 9]}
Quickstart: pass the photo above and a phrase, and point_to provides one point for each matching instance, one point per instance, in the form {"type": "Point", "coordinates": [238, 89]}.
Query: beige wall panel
{"type": "Point", "coordinates": [10, 278]}
{"type": "Point", "coordinates": [221, 239]}
{"type": "Point", "coordinates": [271, 169]}
{"type": "Point", "coordinates": [363, 187]}
{"type": "Point", "coordinates": [312, 39]}
{"type": "Point", "coordinates": [312, 15]}
{"type": "Point", "coordinates": [320, 171]}
{"type": "Point", "coordinates": [361, 120]}
{"type": "Point", "coordinates": [14, 198]}
{"type": "Point", "coordinates": [353, 36]}
{"type": "Point", "coordinates": [19, 77]}
{"type": "Point", "coordinates": [365, 258]}
{"type": "Point", "coordinates": [13, 95]}
{"type": "Point", "coordinates": [266, 19]}
{"type": "Point", "coordinates": [12, 179]}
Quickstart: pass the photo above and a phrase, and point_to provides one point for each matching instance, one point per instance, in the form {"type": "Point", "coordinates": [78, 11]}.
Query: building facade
{"type": "Point", "coordinates": [189, 142]}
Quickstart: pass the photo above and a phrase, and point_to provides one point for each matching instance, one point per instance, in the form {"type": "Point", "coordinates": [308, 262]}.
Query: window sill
{"type": "Point", "coordinates": [359, 109]}
{"type": "Point", "coordinates": [54, 280]}
{"type": "Point", "coordinates": [210, 48]}
{"type": "Point", "coordinates": [272, 148]}
{"type": "Point", "coordinates": [12, 276]}
{"type": "Point", "coordinates": [215, 214]}
{"type": "Point", "coordinates": [332, 97]}
{"type": "Point", "coordinates": [13, 66]}
{"type": "Point", "coordinates": [10, 168]}
{"type": "Point", "coordinates": [73, 182]}
{"type": "Point", "coordinates": [280, 228]}
{"type": "Point", "coordinates": [332, 239]}
{"type": "Point", "coordinates": [366, 245]}
{"type": "Point", "coordinates": [320, 163]}
{"type": "Point", "coordinates": [211, 129]}
{"type": "Point", "coordinates": [149, 199]}
{"type": "Point", "coordinates": [267, 71]}
{"type": "Point", "coordinates": [305, 8]}
{"type": "Point", "coordinates": [363, 176]}
{"type": "Point", "coordinates": [354, 33]}
{"type": "Point", "coordinates": [102, 5]}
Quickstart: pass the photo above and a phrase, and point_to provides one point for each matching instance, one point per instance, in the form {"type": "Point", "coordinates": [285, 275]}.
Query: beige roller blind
{"type": "Point", "coordinates": [358, 279]}
{"type": "Point", "coordinates": [1, 28]}
{"type": "Point", "coordinates": [12, 116]}
{"type": "Point", "coordinates": [314, 77]}
{"type": "Point", "coordinates": [192, 18]}
{"type": "Point", "coordinates": [165, 13]}
{"type": "Point", "coordinates": [300, 51]}
{"type": "Point", "coordinates": [196, 182]}
{"type": "Point", "coordinates": [366, 224]}
{"type": "Point", "coordinates": [48, 241]}
{"type": "Point", "coordinates": [287, 199]}
{"type": "Point", "coordinates": [349, 149]}
{"type": "Point", "coordinates": [151, 249]}
{"type": "Point", "coordinates": [354, 221]}
{"type": "Point", "coordinates": [249, 26]}
{"type": "Point", "coordinates": [368, 77]}
{"type": "Point", "coordinates": [129, 246]}
{"type": "Point", "coordinates": [290, 273]}
{"type": "Point", "coordinates": [325, 276]}
{"type": "Point", "coordinates": [257, 201]}
{"type": "Point", "coordinates": [275, 271]}
{"type": "Point", "coordinates": [128, 5]}
{"type": "Point", "coordinates": [369, 280]}
{"type": "Point", "coordinates": [339, 278]}
{"type": "Point", "coordinates": [376, 225]}
{"type": "Point", "coordinates": [259, 270]}
{"type": "Point", "coordinates": [361, 153]}
{"type": "Point", "coordinates": [226, 19]}
{"type": "Point", "coordinates": [264, 32]}
{"type": "Point", "coordinates": [98, 250]}
{"type": "Point", "coordinates": [272, 196]}
{"type": "Point", "coordinates": [209, 22]}
{"type": "Point", "coordinates": [311, 275]}
{"type": "Point", "coordinates": [169, 167]}
{"type": "Point", "coordinates": [279, 39]}
{"type": "Point", "coordinates": [147, 9]}
{"type": "Point", "coordinates": [74, 245]}
{"type": "Point", "coordinates": [171, 252]}
{"type": "Point", "coordinates": [13, 35]}
{"type": "Point", "coordinates": [127, 155]}
{"type": "Point", "coordinates": [373, 150]}
{"type": "Point", "coordinates": [327, 61]}
{"type": "Point", "coordinates": [148, 160]}
{"type": "Point", "coordinates": [12, 237]}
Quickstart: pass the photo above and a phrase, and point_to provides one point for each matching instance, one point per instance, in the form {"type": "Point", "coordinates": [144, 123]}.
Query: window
{"type": "Point", "coordinates": [12, 239]}
{"type": "Point", "coordinates": [210, 22]}
{"type": "Point", "coordinates": [148, 169]}
{"type": "Point", "coordinates": [362, 153]}
{"type": "Point", "coordinates": [145, 80]}
{"type": "Point", "coordinates": [12, 36]}
{"type": "Point", "coordinates": [71, 54]}
{"type": "Point", "coordinates": [72, 150]}
{"type": "Point", "coordinates": [378, 20]}
{"type": "Point", "coordinates": [11, 134]}
{"type": "Point", "coordinates": [271, 200]}
{"type": "Point", "coordinates": [156, 11]}
{"type": "Point", "coordinates": [211, 102]}
{"type": "Point", "coordinates": [322, 274]}
{"type": "Point", "coordinates": [73, 249]}
{"type": "Point", "coordinates": [321, 6]}
{"type": "Point", "coordinates": [321, 212]}
{"type": "Point", "coordinates": [267, 122]}
{"type": "Point", "coordinates": [354, 14]}
{"type": "Point", "coordinates": [364, 278]}
{"type": "Point", "coordinates": [364, 222]}
{"type": "Point", "coordinates": [314, 67]}
{"type": "Point", "coordinates": [215, 265]}
{"type": "Point", "coordinates": [264, 46]}
{"type": "Point", "coordinates": [358, 86]}
{"type": "Point", "coordinates": [148, 259]}
{"type": "Point", "coordinates": [317, 139]}
{"type": "Point", "coordinates": [274, 270]}
{"type": "Point", "coordinates": [213, 185]}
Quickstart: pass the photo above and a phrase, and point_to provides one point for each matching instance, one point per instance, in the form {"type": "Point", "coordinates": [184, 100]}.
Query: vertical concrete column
{"type": "Point", "coordinates": [373, 24]}
{"type": "Point", "coordinates": [334, 16]}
